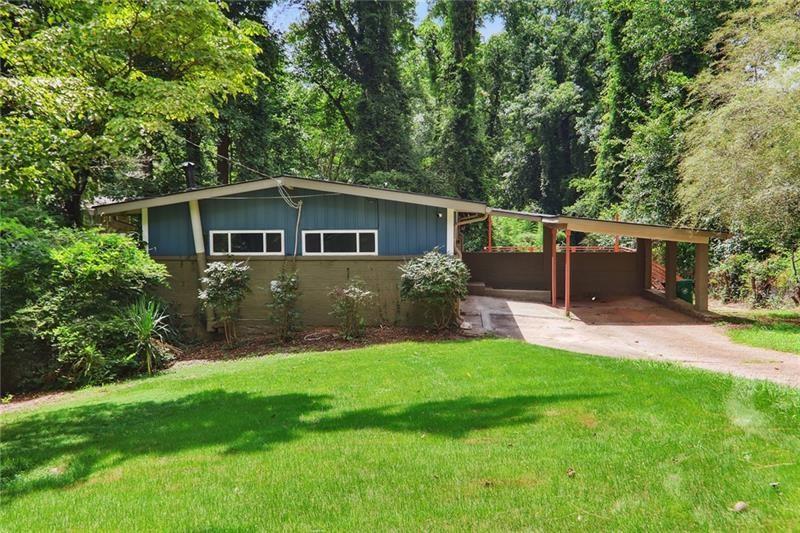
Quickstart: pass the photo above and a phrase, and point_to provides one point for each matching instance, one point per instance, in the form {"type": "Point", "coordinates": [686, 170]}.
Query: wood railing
{"type": "Point", "coordinates": [560, 248]}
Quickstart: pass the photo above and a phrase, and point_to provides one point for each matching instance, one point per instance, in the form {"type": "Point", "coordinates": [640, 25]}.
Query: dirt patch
{"type": "Point", "coordinates": [314, 340]}
{"type": "Point", "coordinates": [25, 399]}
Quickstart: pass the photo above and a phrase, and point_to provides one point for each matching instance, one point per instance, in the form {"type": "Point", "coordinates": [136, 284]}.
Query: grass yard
{"type": "Point", "coordinates": [775, 329]}
{"type": "Point", "coordinates": [414, 436]}
{"type": "Point", "coordinates": [779, 336]}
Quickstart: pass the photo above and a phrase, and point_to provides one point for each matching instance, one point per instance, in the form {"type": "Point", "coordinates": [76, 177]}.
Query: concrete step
{"type": "Point", "coordinates": [480, 289]}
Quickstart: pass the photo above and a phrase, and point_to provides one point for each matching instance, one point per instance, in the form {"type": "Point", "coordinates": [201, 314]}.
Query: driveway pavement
{"type": "Point", "coordinates": [630, 328]}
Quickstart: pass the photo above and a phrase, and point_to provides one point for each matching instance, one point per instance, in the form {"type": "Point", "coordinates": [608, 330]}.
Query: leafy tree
{"type": "Point", "coordinates": [357, 41]}
{"type": "Point", "coordinates": [546, 66]}
{"type": "Point", "coordinates": [86, 81]}
{"type": "Point", "coordinates": [741, 167]}
{"type": "Point", "coordinates": [462, 157]}
{"type": "Point", "coordinates": [652, 51]}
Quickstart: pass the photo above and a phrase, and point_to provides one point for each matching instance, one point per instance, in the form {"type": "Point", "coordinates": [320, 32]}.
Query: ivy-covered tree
{"type": "Point", "coordinates": [461, 156]}
{"type": "Point", "coordinates": [359, 41]}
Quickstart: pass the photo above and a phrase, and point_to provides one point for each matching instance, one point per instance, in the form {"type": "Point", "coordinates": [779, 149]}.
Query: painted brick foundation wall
{"type": "Point", "coordinates": [317, 277]}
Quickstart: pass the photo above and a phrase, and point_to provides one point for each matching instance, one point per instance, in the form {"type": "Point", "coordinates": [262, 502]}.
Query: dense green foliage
{"type": "Point", "coordinates": [438, 282]}
{"type": "Point", "coordinates": [679, 112]}
{"type": "Point", "coordinates": [91, 85]}
{"type": "Point", "coordinates": [742, 167]}
{"type": "Point", "coordinates": [64, 295]}
{"type": "Point", "coordinates": [473, 436]}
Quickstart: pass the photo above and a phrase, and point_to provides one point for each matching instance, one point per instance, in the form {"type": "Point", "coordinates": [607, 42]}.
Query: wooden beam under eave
{"type": "Point", "coordinates": [671, 270]}
{"type": "Point", "coordinates": [640, 231]}
{"type": "Point", "coordinates": [553, 268]}
{"type": "Point", "coordinates": [200, 252]}
{"type": "Point", "coordinates": [567, 274]}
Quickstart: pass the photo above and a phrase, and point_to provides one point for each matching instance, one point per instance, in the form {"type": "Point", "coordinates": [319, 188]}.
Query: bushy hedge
{"type": "Point", "coordinates": [64, 297]}
{"type": "Point", "coordinates": [769, 282]}
{"type": "Point", "coordinates": [437, 281]}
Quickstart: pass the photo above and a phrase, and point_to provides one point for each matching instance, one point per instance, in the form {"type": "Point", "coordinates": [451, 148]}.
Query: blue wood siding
{"type": "Point", "coordinates": [403, 229]}
{"type": "Point", "coordinates": [170, 230]}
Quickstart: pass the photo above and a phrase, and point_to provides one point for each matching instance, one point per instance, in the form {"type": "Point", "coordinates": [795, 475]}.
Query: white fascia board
{"type": "Point", "coordinates": [202, 194]}
{"type": "Point", "coordinates": [385, 194]}
{"type": "Point", "coordinates": [290, 182]}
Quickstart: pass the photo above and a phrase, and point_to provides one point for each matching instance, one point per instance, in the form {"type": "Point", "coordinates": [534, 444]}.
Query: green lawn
{"type": "Point", "coordinates": [413, 436]}
{"type": "Point", "coordinates": [779, 336]}
{"type": "Point", "coordinates": [775, 329]}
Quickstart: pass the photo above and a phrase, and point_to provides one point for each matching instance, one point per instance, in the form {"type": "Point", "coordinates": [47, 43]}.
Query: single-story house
{"type": "Point", "coordinates": [333, 231]}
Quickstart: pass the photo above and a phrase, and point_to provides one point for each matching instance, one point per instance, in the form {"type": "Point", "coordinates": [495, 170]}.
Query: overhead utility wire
{"type": "Point", "coordinates": [298, 206]}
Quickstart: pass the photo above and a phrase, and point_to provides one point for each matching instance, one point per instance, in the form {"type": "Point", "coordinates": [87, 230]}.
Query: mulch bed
{"type": "Point", "coordinates": [312, 340]}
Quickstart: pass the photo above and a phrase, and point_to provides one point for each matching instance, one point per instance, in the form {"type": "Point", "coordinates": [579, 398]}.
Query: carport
{"type": "Point", "coordinates": [564, 272]}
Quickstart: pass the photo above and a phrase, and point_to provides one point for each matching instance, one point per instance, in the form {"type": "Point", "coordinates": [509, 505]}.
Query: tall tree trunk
{"type": "Point", "coordinates": [194, 158]}
{"type": "Point", "coordinates": [147, 162]}
{"type": "Point", "coordinates": [73, 204]}
{"type": "Point", "coordinates": [223, 155]}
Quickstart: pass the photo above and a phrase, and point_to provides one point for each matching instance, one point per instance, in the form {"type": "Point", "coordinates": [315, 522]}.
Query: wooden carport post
{"type": "Point", "coordinates": [567, 272]}
{"type": "Point", "coordinates": [701, 276]}
{"type": "Point", "coordinates": [553, 268]}
{"type": "Point", "coordinates": [671, 270]}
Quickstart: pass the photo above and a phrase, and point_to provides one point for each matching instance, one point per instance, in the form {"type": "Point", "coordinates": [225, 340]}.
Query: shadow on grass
{"type": "Point", "coordinates": [61, 448]}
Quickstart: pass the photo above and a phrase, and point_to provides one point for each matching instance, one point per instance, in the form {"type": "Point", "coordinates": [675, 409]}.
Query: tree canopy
{"type": "Point", "coordinates": [662, 112]}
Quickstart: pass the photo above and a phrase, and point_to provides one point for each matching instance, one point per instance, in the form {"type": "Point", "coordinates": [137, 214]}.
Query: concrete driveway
{"type": "Point", "coordinates": [630, 328]}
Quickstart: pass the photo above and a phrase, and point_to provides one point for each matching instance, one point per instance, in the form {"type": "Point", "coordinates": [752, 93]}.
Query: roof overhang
{"type": "Point", "coordinates": [635, 229]}
{"type": "Point", "coordinates": [132, 206]}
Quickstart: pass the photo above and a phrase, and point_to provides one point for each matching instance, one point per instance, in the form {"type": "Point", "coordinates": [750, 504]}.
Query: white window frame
{"type": "Point", "coordinates": [263, 237]}
{"type": "Point", "coordinates": [358, 233]}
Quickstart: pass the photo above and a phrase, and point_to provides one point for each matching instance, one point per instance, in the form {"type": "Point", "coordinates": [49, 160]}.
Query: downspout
{"type": "Point", "coordinates": [473, 220]}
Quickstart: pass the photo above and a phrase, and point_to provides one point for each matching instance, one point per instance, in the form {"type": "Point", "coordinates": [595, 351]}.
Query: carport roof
{"type": "Point", "coordinates": [615, 227]}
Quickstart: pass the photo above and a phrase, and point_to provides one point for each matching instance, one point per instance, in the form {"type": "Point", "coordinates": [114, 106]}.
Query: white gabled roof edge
{"type": "Point", "coordinates": [129, 206]}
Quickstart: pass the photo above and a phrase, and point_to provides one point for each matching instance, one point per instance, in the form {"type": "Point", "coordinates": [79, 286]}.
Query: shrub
{"type": "Point", "coordinates": [225, 284]}
{"type": "Point", "coordinates": [769, 281]}
{"type": "Point", "coordinates": [349, 304]}
{"type": "Point", "coordinates": [437, 281]}
{"type": "Point", "coordinates": [283, 315]}
{"type": "Point", "coordinates": [150, 326]}
{"type": "Point", "coordinates": [63, 292]}
{"type": "Point", "coordinates": [729, 279]}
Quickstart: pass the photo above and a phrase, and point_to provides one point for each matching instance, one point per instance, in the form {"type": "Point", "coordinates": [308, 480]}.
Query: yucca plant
{"type": "Point", "coordinates": [150, 326]}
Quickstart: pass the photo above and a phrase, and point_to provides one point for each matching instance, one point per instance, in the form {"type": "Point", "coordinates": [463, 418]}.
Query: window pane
{"type": "Point", "coordinates": [337, 243]}
{"type": "Point", "coordinates": [274, 242]}
{"type": "Point", "coordinates": [366, 242]}
{"type": "Point", "coordinates": [251, 243]}
{"type": "Point", "coordinates": [313, 243]}
{"type": "Point", "coordinates": [219, 243]}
